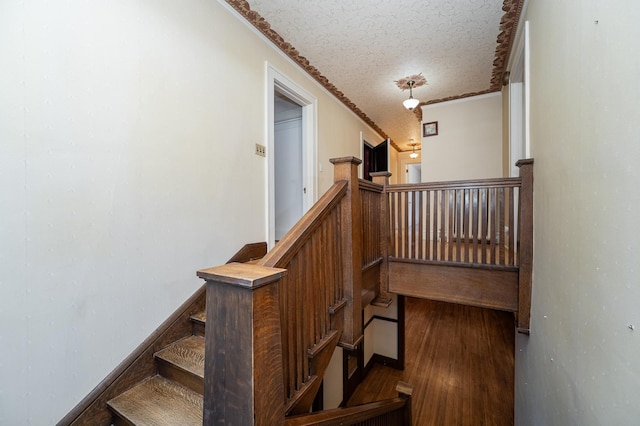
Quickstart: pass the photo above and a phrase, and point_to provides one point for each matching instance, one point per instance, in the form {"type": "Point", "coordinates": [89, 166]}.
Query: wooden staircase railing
{"type": "Point", "coordinates": [276, 323]}
{"type": "Point", "coordinates": [390, 412]}
{"type": "Point", "coordinates": [466, 242]}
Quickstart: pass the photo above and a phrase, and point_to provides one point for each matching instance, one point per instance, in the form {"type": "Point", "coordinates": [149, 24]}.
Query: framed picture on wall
{"type": "Point", "coordinates": [430, 129]}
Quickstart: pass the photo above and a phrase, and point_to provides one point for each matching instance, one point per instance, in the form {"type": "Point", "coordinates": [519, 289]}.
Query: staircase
{"type": "Point", "coordinates": [274, 323]}
{"type": "Point", "coordinates": [174, 395]}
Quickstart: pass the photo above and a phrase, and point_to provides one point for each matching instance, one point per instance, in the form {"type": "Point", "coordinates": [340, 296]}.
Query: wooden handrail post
{"type": "Point", "coordinates": [243, 381]}
{"type": "Point", "coordinates": [405, 390]}
{"type": "Point", "coordinates": [346, 169]}
{"type": "Point", "coordinates": [525, 233]}
{"type": "Point", "coordinates": [384, 297]}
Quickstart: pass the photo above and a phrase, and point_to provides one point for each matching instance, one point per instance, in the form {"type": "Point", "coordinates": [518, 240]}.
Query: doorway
{"type": "Point", "coordinates": [289, 189]}
{"type": "Point", "coordinates": [291, 153]}
{"type": "Point", "coordinates": [375, 158]}
{"type": "Point", "coordinates": [414, 172]}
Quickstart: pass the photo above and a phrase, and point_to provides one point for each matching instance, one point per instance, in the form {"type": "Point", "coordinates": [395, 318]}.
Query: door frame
{"type": "Point", "coordinates": [309, 104]}
{"type": "Point", "coordinates": [519, 101]}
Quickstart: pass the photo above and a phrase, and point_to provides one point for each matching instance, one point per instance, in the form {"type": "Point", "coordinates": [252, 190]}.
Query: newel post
{"type": "Point", "coordinates": [525, 234]}
{"type": "Point", "coordinates": [384, 297]}
{"type": "Point", "coordinates": [346, 168]}
{"type": "Point", "coordinates": [243, 349]}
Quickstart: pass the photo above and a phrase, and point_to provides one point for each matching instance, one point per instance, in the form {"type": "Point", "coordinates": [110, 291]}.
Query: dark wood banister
{"type": "Point", "coordinates": [291, 243]}
{"type": "Point", "coordinates": [366, 414]}
{"type": "Point", "coordinates": [252, 308]}
{"type": "Point", "coordinates": [252, 368]}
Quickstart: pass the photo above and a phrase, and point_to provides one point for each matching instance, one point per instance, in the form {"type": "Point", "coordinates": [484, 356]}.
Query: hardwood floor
{"type": "Point", "coordinates": [460, 361]}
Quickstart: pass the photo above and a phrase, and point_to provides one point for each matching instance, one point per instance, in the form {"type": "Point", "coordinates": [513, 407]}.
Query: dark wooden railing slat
{"type": "Point", "coordinates": [455, 221]}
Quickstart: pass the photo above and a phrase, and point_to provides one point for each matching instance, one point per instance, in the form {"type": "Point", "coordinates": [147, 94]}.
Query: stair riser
{"type": "Point", "coordinates": [185, 378]}
{"type": "Point", "coordinates": [198, 328]}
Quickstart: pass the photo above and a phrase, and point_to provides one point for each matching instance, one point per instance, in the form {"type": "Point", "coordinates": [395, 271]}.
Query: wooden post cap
{"type": "Point", "coordinates": [242, 274]}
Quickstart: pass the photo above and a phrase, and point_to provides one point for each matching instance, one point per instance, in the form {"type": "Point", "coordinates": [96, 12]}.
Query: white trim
{"type": "Point", "coordinates": [527, 92]}
{"type": "Point", "coordinates": [309, 105]}
{"type": "Point", "coordinates": [518, 41]}
{"type": "Point", "coordinates": [467, 99]}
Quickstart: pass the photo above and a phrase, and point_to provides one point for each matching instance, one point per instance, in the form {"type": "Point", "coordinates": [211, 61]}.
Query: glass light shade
{"type": "Point", "coordinates": [413, 155]}
{"type": "Point", "coordinates": [411, 103]}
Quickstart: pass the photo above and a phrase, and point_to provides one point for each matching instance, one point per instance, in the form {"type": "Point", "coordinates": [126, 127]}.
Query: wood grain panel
{"type": "Point", "coordinates": [487, 288]}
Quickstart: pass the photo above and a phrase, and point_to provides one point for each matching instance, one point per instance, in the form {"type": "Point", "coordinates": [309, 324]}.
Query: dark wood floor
{"type": "Point", "coordinates": [460, 361]}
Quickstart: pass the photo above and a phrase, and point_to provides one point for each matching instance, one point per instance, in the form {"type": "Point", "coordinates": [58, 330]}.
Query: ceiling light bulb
{"type": "Point", "coordinates": [411, 103]}
{"type": "Point", "coordinates": [413, 155]}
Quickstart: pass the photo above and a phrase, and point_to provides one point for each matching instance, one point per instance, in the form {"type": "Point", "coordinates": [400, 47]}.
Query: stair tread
{"type": "Point", "coordinates": [187, 354]}
{"type": "Point", "coordinates": [158, 402]}
{"type": "Point", "coordinates": [199, 317]}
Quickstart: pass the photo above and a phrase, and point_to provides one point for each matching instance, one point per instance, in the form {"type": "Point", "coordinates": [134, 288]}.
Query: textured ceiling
{"type": "Point", "coordinates": [359, 48]}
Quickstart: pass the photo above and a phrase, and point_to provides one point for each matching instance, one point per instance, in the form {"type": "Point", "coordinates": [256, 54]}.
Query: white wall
{"type": "Point", "coordinates": [127, 133]}
{"type": "Point", "coordinates": [469, 140]}
{"type": "Point", "coordinates": [381, 333]}
{"type": "Point", "coordinates": [580, 364]}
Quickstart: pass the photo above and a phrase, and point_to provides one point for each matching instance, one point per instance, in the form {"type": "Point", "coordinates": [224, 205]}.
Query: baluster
{"type": "Point", "coordinates": [429, 230]}
{"type": "Point", "coordinates": [473, 228]}
{"type": "Point", "coordinates": [451, 200]}
{"type": "Point", "coordinates": [512, 230]}
{"type": "Point", "coordinates": [394, 223]}
{"type": "Point", "coordinates": [420, 235]}
{"type": "Point", "coordinates": [493, 222]}
{"type": "Point", "coordinates": [465, 226]}
{"type": "Point", "coordinates": [484, 225]}
{"type": "Point", "coordinates": [501, 211]}
{"type": "Point", "coordinates": [405, 225]}
{"type": "Point", "coordinates": [438, 232]}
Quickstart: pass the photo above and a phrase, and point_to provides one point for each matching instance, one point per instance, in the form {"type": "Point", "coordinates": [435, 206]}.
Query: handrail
{"type": "Point", "coordinates": [389, 412]}
{"type": "Point", "coordinates": [472, 183]}
{"type": "Point", "coordinates": [350, 415]}
{"type": "Point", "coordinates": [295, 239]}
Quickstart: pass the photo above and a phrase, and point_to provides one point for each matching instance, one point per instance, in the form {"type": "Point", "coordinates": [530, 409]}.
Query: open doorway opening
{"type": "Point", "coordinates": [289, 188]}
{"type": "Point", "coordinates": [291, 153]}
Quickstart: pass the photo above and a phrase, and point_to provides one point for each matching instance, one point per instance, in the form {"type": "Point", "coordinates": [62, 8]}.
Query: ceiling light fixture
{"type": "Point", "coordinates": [412, 102]}
{"type": "Point", "coordinates": [413, 154]}
{"type": "Point", "coordinates": [410, 82]}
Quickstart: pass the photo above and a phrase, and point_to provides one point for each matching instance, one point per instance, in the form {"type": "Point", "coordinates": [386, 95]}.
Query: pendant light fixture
{"type": "Point", "coordinates": [410, 82]}
{"type": "Point", "coordinates": [413, 154]}
{"type": "Point", "coordinates": [412, 102]}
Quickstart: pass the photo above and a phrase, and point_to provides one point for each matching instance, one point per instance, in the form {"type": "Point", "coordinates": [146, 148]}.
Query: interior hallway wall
{"type": "Point", "coordinates": [469, 140]}
{"type": "Point", "coordinates": [580, 364]}
{"type": "Point", "coordinates": [127, 134]}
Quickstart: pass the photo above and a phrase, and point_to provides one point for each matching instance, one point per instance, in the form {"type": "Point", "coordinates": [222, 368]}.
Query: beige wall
{"type": "Point", "coordinates": [127, 131]}
{"type": "Point", "coordinates": [469, 140]}
{"type": "Point", "coordinates": [580, 364]}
